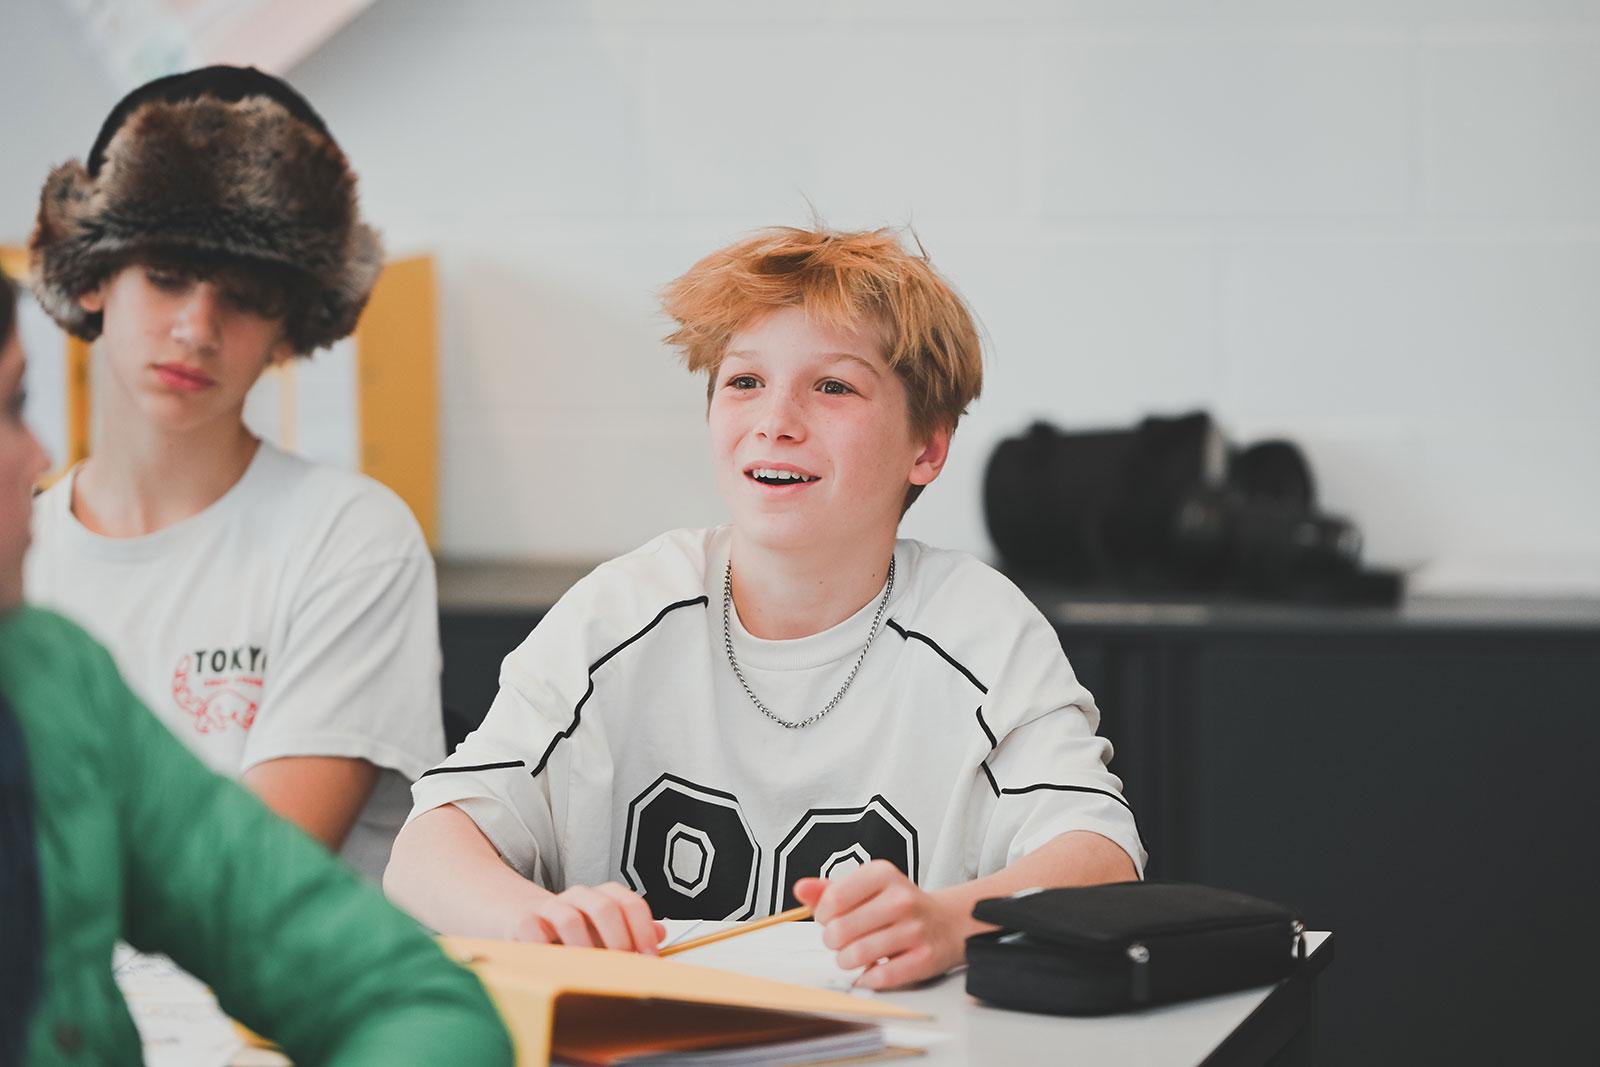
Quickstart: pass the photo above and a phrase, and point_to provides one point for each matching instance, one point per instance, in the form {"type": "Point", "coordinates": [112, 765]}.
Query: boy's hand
{"type": "Point", "coordinates": [601, 916]}
{"type": "Point", "coordinates": [877, 918]}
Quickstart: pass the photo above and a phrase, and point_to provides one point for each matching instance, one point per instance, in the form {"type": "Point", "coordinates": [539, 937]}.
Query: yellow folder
{"type": "Point", "coordinates": [532, 985]}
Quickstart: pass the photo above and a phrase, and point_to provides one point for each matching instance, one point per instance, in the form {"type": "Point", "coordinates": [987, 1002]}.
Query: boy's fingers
{"type": "Point", "coordinates": [567, 923]}
{"type": "Point", "coordinates": [880, 912]}
{"type": "Point", "coordinates": [636, 914]}
{"type": "Point", "coordinates": [606, 916]}
{"type": "Point", "coordinates": [533, 929]}
{"type": "Point", "coordinates": [910, 966]}
{"type": "Point", "coordinates": [884, 943]}
{"type": "Point", "coordinates": [809, 890]}
{"type": "Point", "coordinates": [850, 891]}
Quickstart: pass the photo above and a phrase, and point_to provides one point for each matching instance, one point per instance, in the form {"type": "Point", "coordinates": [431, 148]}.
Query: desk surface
{"type": "Point", "coordinates": [963, 1031]}
{"type": "Point", "coordinates": [959, 1030]}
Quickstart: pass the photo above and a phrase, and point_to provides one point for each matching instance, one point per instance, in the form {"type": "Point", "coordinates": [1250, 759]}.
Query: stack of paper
{"type": "Point", "coordinates": [591, 1006]}
{"type": "Point", "coordinates": [179, 1022]}
{"type": "Point", "coordinates": [592, 1032]}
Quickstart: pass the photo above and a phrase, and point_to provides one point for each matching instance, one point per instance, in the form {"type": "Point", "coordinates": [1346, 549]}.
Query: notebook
{"type": "Point", "coordinates": [598, 1032]}
{"type": "Point", "coordinates": [607, 1009]}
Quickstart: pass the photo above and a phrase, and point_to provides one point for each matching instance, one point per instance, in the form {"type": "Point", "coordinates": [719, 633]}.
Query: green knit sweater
{"type": "Point", "coordinates": [138, 841]}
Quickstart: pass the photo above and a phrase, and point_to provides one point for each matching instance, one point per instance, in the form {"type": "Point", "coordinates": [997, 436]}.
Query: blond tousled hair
{"type": "Point", "coordinates": [843, 281]}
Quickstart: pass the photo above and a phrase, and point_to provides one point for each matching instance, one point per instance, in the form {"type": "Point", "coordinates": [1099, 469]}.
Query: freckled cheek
{"type": "Point", "coordinates": [724, 444]}
{"type": "Point", "coordinates": [730, 422]}
{"type": "Point", "coordinates": [722, 431]}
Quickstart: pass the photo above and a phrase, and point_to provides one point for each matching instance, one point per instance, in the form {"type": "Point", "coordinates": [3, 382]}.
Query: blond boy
{"type": "Point", "coordinates": [795, 707]}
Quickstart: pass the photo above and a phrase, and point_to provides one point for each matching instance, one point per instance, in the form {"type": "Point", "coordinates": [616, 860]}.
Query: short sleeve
{"type": "Point", "coordinates": [511, 775]}
{"type": "Point", "coordinates": [1047, 772]}
{"type": "Point", "coordinates": [357, 674]}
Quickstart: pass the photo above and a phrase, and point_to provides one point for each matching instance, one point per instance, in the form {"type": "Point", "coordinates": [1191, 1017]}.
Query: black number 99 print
{"type": "Point", "coordinates": [690, 852]}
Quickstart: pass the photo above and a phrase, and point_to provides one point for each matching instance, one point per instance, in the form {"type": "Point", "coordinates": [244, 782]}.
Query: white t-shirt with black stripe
{"type": "Point", "coordinates": [622, 747]}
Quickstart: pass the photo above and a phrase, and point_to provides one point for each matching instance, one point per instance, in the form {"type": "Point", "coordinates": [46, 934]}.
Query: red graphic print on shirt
{"type": "Point", "coordinates": [220, 687]}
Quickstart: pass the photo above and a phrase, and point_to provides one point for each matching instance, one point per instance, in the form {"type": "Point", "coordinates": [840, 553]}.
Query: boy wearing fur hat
{"type": "Point", "coordinates": [278, 615]}
{"type": "Point", "coordinates": [798, 707]}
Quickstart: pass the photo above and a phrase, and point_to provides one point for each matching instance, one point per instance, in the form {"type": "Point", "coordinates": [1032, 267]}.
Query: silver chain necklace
{"type": "Point", "coordinates": [727, 641]}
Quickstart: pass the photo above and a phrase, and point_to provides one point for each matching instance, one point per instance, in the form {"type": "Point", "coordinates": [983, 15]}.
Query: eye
{"type": "Point", "coordinates": [166, 280]}
{"type": "Point", "coordinates": [743, 381]}
{"type": "Point", "coordinates": [17, 404]}
{"type": "Point", "coordinates": [241, 301]}
{"type": "Point", "coordinates": [834, 387]}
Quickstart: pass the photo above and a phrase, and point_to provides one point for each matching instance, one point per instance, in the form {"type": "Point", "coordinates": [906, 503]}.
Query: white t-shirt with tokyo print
{"type": "Point", "coordinates": [622, 747]}
{"type": "Point", "coordinates": [295, 616]}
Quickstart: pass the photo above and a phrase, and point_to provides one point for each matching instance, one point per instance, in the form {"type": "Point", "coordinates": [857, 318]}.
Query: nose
{"type": "Point", "coordinates": [782, 416]}
{"type": "Point", "coordinates": [198, 323]}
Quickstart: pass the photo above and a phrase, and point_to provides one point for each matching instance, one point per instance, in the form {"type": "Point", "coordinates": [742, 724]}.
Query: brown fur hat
{"type": "Point", "coordinates": [220, 165]}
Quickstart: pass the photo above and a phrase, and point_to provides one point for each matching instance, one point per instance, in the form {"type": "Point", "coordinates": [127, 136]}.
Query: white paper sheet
{"type": "Point", "coordinates": [179, 1022]}
{"type": "Point", "coordinates": [791, 952]}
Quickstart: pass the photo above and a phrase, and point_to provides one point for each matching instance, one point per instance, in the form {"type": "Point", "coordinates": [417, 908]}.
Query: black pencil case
{"type": "Point", "coordinates": [1093, 950]}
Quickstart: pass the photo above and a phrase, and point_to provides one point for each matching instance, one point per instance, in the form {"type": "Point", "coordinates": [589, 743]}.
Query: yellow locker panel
{"type": "Point", "coordinates": [397, 352]}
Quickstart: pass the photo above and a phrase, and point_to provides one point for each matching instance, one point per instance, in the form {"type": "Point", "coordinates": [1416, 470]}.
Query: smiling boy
{"type": "Point", "coordinates": [278, 615]}
{"type": "Point", "coordinates": [710, 726]}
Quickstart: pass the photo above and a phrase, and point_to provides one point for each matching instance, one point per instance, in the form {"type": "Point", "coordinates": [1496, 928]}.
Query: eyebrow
{"type": "Point", "coordinates": [831, 357]}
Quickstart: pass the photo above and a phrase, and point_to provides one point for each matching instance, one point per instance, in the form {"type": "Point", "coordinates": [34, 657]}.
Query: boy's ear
{"type": "Point", "coordinates": [94, 300]}
{"type": "Point", "coordinates": [930, 461]}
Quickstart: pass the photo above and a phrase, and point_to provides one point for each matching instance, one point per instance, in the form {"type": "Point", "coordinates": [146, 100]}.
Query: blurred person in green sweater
{"type": "Point", "coordinates": [111, 829]}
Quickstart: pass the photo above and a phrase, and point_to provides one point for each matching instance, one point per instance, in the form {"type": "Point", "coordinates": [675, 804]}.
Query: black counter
{"type": "Point", "coordinates": [529, 589]}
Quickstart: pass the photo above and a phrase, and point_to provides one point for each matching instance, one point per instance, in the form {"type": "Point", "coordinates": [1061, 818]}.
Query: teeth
{"type": "Point", "coordinates": [769, 474]}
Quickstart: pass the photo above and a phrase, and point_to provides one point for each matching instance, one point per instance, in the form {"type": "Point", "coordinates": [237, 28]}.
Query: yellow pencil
{"type": "Point", "coordinates": [743, 928]}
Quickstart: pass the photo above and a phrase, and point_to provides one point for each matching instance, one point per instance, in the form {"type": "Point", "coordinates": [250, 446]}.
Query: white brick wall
{"type": "Point", "coordinates": [1370, 225]}
{"type": "Point", "coordinates": [52, 100]}
{"type": "Point", "coordinates": [1216, 124]}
